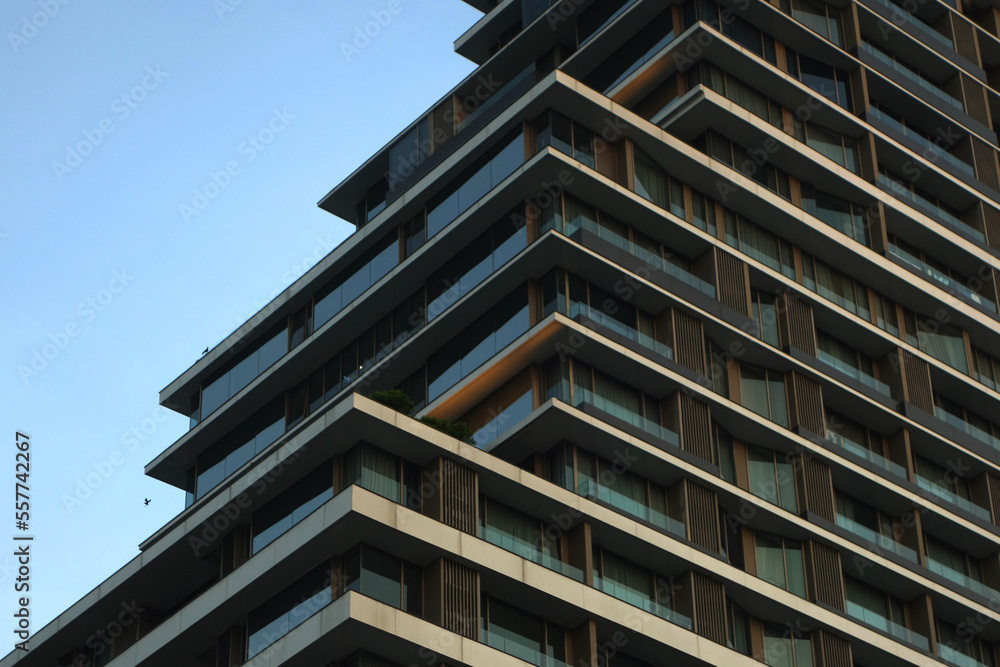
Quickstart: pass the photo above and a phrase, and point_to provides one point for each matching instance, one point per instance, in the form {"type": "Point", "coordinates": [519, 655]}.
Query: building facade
{"type": "Point", "coordinates": [714, 286]}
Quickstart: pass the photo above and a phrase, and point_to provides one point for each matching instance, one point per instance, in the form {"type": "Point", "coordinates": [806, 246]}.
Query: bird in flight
{"type": "Point", "coordinates": [148, 501]}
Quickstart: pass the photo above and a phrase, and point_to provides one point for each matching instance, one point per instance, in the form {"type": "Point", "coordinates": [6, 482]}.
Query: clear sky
{"type": "Point", "coordinates": [115, 273]}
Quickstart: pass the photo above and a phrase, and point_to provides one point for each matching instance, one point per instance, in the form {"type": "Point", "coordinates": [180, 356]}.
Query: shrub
{"type": "Point", "coordinates": [457, 430]}
{"type": "Point", "coordinates": [395, 399]}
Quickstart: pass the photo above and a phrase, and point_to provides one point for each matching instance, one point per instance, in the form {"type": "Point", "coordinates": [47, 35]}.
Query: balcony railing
{"type": "Point", "coordinates": [653, 260]}
{"type": "Point", "coordinates": [511, 646]}
{"type": "Point", "coordinates": [529, 551]}
{"type": "Point", "coordinates": [619, 327]}
{"type": "Point", "coordinates": [638, 600]}
{"type": "Point", "coordinates": [953, 498]}
{"type": "Point", "coordinates": [884, 543]}
{"type": "Point", "coordinates": [917, 23]}
{"type": "Point", "coordinates": [910, 75]}
{"type": "Point", "coordinates": [929, 207]}
{"type": "Point", "coordinates": [966, 427]}
{"type": "Point", "coordinates": [884, 624]}
{"type": "Point", "coordinates": [955, 657]}
{"type": "Point", "coordinates": [631, 507]}
{"type": "Point", "coordinates": [962, 579]}
{"type": "Point", "coordinates": [936, 152]}
{"type": "Point", "coordinates": [948, 283]}
{"type": "Point", "coordinates": [867, 454]}
{"type": "Point", "coordinates": [855, 373]}
{"type": "Point", "coordinates": [581, 396]}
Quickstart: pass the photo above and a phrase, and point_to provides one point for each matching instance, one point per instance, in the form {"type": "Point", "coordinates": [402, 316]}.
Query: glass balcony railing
{"type": "Point", "coordinates": [898, 631]}
{"type": "Point", "coordinates": [947, 283]}
{"type": "Point", "coordinates": [931, 151]}
{"type": "Point", "coordinates": [910, 75]}
{"type": "Point", "coordinates": [884, 543]}
{"type": "Point", "coordinates": [581, 396]}
{"type": "Point", "coordinates": [855, 373]}
{"type": "Point", "coordinates": [966, 427]}
{"type": "Point", "coordinates": [529, 551]}
{"type": "Point", "coordinates": [655, 261]}
{"type": "Point", "coordinates": [953, 498]}
{"type": "Point", "coordinates": [867, 454]}
{"type": "Point", "coordinates": [632, 507]}
{"type": "Point", "coordinates": [636, 599]}
{"type": "Point", "coordinates": [929, 207]}
{"type": "Point", "coordinates": [957, 658]}
{"type": "Point", "coordinates": [512, 645]}
{"type": "Point", "coordinates": [917, 23]}
{"type": "Point", "coordinates": [962, 579]}
{"type": "Point", "coordinates": [619, 327]}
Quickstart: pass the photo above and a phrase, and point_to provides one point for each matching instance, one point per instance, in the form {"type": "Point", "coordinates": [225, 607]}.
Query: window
{"type": "Point", "coordinates": [783, 647]}
{"type": "Point", "coordinates": [738, 92]}
{"type": "Point", "coordinates": [518, 533]}
{"type": "Point", "coordinates": [861, 441]}
{"type": "Point", "coordinates": [772, 477]}
{"type": "Point", "coordinates": [760, 244]}
{"type": "Point", "coordinates": [826, 80]}
{"type": "Point", "coordinates": [849, 361]}
{"type": "Point", "coordinates": [725, 454]}
{"type": "Point", "coordinates": [288, 609]}
{"type": "Point", "coordinates": [382, 473]}
{"type": "Point", "coordinates": [763, 392]}
{"type": "Point", "coordinates": [373, 202]}
{"type": "Point", "coordinates": [279, 515]}
{"type": "Point", "coordinates": [383, 577]}
{"type": "Point", "coordinates": [835, 286]}
{"type": "Point", "coordinates": [502, 410]}
{"type": "Point", "coordinates": [652, 183]}
{"type": "Point", "coordinates": [765, 312]}
{"type": "Point", "coordinates": [987, 368]}
{"type": "Point", "coordinates": [635, 585]}
{"type": "Point", "coordinates": [238, 374]}
{"type": "Point", "coordinates": [745, 161]}
{"type": "Point", "coordinates": [959, 648]}
{"type": "Point", "coordinates": [872, 525]}
{"type": "Point", "coordinates": [841, 149]}
{"type": "Point", "coordinates": [355, 279]}
{"type": "Point", "coordinates": [717, 363]}
{"type": "Point", "coordinates": [953, 564]}
{"type": "Point", "coordinates": [779, 561]}
{"type": "Point", "coordinates": [819, 17]}
{"type": "Point", "coordinates": [734, 27]}
{"type": "Point", "coordinates": [613, 483]}
{"type": "Point", "coordinates": [522, 635]}
{"type": "Point", "coordinates": [492, 332]}
{"type": "Point", "coordinates": [878, 609]}
{"type": "Point", "coordinates": [847, 218]}
{"type": "Point", "coordinates": [957, 416]}
{"type": "Point", "coordinates": [567, 136]}
{"type": "Point", "coordinates": [739, 628]}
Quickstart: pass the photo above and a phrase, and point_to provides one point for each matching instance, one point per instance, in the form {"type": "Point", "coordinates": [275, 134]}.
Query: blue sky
{"type": "Point", "coordinates": [126, 248]}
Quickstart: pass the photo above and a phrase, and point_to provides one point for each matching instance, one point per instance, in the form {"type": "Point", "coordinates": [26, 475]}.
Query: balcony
{"type": "Point", "coordinates": [853, 372]}
{"type": "Point", "coordinates": [910, 75]}
{"type": "Point", "coordinates": [917, 24]}
{"type": "Point", "coordinates": [962, 579]}
{"type": "Point", "coordinates": [585, 396]}
{"type": "Point", "coordinates": [936, 152]}
{"type": "Point", "coordinates": [928, 207]}
{"type": "Point", "coordinates": [946, 282]}
{"type": "Point", "coordinates": [883, 543]}
{"type": "Point", "coordinates": [636, 599]}
{"type": "Point", "coordinates": [657, 262]}
{"type": "Point", "coordinates": [867, 454]}
{"type": "Point", "coordinates": [579, 310]}
{"type": "Point", "coordinates": [529, 551]}
{"type": "Point", "coordinates": [591, 489]}
{"type": "Point", "coordinates": [882, 623]}
{"type": "Point", "coordinates": [955, 657]}
{"type": "Point", "coordinates": [966, 427]}
{"type": "Point", "coordinates": [953, 498]}
{"type": "Point", "coordinates": [517, 647]}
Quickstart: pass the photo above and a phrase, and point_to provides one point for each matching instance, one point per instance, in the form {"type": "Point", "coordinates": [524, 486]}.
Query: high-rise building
{"type": "Point", "coordinates": [713, 286]}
